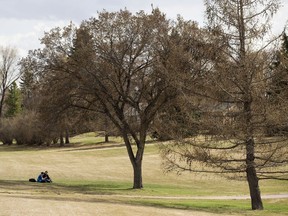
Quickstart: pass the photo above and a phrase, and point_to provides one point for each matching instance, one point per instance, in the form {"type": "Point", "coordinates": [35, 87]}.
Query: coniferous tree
{"type": "Point", "coordinates": [233, 102]}
{"type": "Point", "coordinates": [13, 101]}
{"type": "Point", "coordinates": [278, 87]}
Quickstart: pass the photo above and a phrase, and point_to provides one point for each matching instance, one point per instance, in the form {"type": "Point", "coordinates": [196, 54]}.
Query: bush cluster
{"type": "Point", "coordinates": [23, 129]}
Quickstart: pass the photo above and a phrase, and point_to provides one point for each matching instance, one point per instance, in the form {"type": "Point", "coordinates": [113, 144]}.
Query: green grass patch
{"type": "Point", "coordinates": [215, 206]}
{"type": "Point", "coordinates": [121, 188]}
{"type": "Point", "coordinates": [227, 207]}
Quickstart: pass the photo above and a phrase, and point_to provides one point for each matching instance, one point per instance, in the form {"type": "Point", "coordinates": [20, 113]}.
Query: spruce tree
{"type": "Point", "coordinates": [13, 101]}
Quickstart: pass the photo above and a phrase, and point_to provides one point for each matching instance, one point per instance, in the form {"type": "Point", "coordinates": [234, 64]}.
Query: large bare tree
{"type": "Point", "coordinates": [119, 64]}
{"type": "Point", "coordinates": [232, 107]}
{"type": "Point", "coordinates": [127, 71]}
{"type": "Point", "coordinates": [8, 71]}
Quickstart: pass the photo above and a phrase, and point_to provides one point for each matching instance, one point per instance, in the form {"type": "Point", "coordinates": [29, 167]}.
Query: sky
{"type": "Point", "coordinates": [23, 22]}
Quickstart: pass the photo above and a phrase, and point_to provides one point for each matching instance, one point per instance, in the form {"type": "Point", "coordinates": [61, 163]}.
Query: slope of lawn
{"type": "Point", "coordinates": [91, 171]}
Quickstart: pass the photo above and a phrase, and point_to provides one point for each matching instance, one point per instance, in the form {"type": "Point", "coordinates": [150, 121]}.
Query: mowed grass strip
{"type": "Point", "coordinates": [99, 169]}
{"type": "Point", "coordinates": [227, 207]}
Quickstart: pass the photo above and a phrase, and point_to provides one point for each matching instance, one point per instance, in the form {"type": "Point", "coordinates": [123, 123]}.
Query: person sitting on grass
{"type": "Point", "coordinates": [41, 178]}
{"type": "Point", "coordinates": [44, 177]}
{"type": "Point", "coordinates": [47, 177]}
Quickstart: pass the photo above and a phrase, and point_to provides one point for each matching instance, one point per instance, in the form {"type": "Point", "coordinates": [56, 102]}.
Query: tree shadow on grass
{"type": "Point", "coordinates": [96, 188]}
{"type": "Point", "coordinates": [100, 188]}
{"type": "Point", "coordinates": [104, 191]}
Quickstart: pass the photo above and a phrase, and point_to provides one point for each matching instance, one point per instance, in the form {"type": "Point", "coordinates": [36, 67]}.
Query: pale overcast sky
{"type": "Point", "coordinates": [23, 22]}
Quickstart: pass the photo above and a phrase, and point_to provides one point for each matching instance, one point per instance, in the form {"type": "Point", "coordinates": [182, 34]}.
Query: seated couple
{"type": "Point", "coordinates": [44, 177]}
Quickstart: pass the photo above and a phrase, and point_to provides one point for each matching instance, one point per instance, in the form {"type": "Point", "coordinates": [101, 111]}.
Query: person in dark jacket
{"type": "Point", "coordinates": [41, 178]}
{"type": "Point", "coordinates": [47, 177]}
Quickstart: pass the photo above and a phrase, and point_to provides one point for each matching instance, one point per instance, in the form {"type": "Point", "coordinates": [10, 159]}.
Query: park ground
{"type": "Point", "coordinates": [95, 178]}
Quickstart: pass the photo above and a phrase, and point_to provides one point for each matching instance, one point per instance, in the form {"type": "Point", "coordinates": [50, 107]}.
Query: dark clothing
{"type": "Point", "coordinates": [40, 178]}
{"type": "Point", "coordinates": [47, 178]}
{"type": "Point", "coordinates": [43, 178]}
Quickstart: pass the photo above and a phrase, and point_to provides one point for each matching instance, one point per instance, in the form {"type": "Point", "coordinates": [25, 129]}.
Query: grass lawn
{"type": "Point", "coordinates": [89, 172]}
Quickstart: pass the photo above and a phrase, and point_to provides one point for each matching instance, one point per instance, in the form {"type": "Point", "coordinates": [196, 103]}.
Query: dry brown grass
{"type": "Point", "coordinates": [93, 164]}
{"type": "Point", "coordinates": [33, 205]}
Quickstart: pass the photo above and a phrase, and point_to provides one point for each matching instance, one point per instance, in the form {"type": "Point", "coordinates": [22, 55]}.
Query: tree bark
{"type": "Point", "coordinates": [256, 201]}
{"type": "Point", "coordinates": [136, 161]}
{"type": "Point", "coordinates": [137, 168]}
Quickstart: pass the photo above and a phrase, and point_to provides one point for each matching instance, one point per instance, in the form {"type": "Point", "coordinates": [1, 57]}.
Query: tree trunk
{"type": "Point", "coordinates": [61, 139]}
{"type": "Point", "coordinates": [67, 141]}
{"type": "Point", "coordinates": [2, 100]}
{"type": "Point", "coordinates": [137, 168]}
{"type": "Point", "coordinates": [256, 201]}
{"type": "Point", "coordinates": [136, 161]}
{"type": "Point", "coordinates": [106, 137]}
